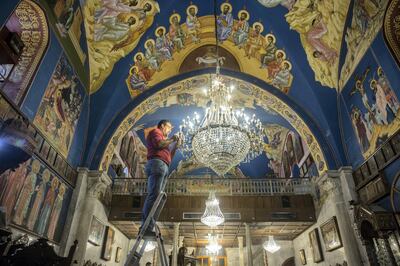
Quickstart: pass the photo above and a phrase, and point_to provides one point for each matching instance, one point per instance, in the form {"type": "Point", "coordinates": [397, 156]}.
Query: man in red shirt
{"type": "Point", "coordinates": [159, 156]}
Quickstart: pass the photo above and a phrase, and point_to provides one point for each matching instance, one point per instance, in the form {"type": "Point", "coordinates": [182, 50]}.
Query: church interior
{"type": "Point", "coordinates": [287, 114]}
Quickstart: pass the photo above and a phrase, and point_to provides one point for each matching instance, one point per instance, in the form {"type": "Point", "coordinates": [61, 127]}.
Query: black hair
{"type": "Point", "coordinates": [163, 122]}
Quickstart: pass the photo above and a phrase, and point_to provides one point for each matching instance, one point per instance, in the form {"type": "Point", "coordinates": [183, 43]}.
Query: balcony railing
{"type": "Point", "coordinates": [201, 186]}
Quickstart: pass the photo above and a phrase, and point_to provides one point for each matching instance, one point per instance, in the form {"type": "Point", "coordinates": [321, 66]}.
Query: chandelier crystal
{"type": "Point", "coordinates": [213, 247]}
{"type": "Point", "coordinates": [224, 137]}
{"type": "Point", "coordinates": [271, 245]}
{"type": "Point", "coordinates": [212, 214]}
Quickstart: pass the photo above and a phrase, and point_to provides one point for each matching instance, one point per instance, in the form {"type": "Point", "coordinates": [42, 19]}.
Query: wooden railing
{"type": "Point", "coordinates": [201, 186]}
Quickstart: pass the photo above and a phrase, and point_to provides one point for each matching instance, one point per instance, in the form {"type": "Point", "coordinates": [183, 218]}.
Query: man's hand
{"type": "Point", "coordinates": [175, 137]}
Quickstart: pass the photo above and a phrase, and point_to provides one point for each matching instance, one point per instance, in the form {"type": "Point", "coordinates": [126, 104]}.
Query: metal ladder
{"type": "Point", "coordinates": [137, 251]}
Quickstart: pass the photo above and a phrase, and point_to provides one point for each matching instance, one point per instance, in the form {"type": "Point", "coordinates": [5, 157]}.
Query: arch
{"type": "Point", "coordinates": [390, 29]}
{"type": "Point", "coordinates": [269, 97]}
{"type": "Point", "coordinates": [289, 262]}
{"type": "Point", "coordinates": [30, 23]}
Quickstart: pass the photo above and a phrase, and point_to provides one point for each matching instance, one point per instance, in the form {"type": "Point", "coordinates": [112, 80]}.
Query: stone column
{"type": "Point", "coordinates": [74, 213]}
{"type": "Point", "coordinates": [97, 185]}
{"type": "Point", "coordinates": [175, 245]}
{"type": "Point", "coordinates": [241, 255]}
{"type": "Point", "coordinates": [332, 184]}
{"type": "Point", "coordinates": [248, 245]}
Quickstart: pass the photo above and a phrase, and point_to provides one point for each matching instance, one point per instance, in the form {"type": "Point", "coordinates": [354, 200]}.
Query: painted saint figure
{"type": "Point", "coordinates": [193, 23]}
{"type": "Point", "coordinates": [13, 185]}
{"type": "Point", "coordinates": [40, 190]}
{"type": "Point", "coordinates": [283, 77]}
{"type": "Point", "coordinates": [47, 207]}
{"type": "Point", "coordinates": [163, 45]}
{"type": "Point", "coordinates": [224, 22]}
{"type": "Point", "coordinates": [151, 55]}
{"type": "Point", "coordinates": [390, 95]}
{"type": "Point", "coordinates": [363, 133]}
{"type": "Point", "coordinates": [143, 67]}
{"type": "Point", "coordinates": [135, 81]}
{"type": "Point", "coordinates": [275, 66]}
{"type": "Point", "coordinates": [255, 41]}
{"type": "Point", "coordinates": [314, 35]}
{"type": "Point", "coordinates": [22, 204]}
{"type": "Point", "coordinates": [241, 29]}
{"type": "Point", "coordinates": [55, 212]}
{"type": "Point", "coordinates": [379, 107]}
{"type": "Point", "coordinates": [176, 33]}
{"type": "Point", "coordinates": [270, 50]}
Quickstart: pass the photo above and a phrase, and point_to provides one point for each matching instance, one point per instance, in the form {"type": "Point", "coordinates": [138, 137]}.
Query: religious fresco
{"type": "Point", "coordinates": [189, 92]}
{"type": "Point", "coordinates": [242, 41]}
{"type": "Point", "coordinates": [113, 30]}
{"type": "Point", "coordinates": [366, 23]}
{"type": "Point", "coordinates": [320, 25]}
{"type": "Point", "coordinates": [35, 199]}
{"type": "Point", "coordinates": [60, 107]}
{"type": "Point", "coordinates": [68, 19]}
{"type": "Point", "coordinates": [374, 108]}
{"type": "Point", "coordinates": [391, 26]}
{"type": "Point", "coordinates": [29, 22]}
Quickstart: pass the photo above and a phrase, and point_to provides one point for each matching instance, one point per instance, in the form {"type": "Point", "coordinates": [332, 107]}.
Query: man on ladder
{"type": "Point", "coordinates": [159, 156]}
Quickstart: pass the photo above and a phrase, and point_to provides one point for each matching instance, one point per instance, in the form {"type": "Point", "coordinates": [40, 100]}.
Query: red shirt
{"type": "Point", "coordinates": [153, 152]}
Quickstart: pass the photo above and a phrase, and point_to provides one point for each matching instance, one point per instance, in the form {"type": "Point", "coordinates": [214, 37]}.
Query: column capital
{"type": "Point", "coordinates": [99, 186]}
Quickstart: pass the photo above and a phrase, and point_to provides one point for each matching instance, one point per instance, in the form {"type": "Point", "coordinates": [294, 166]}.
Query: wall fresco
{"type": "Point", "coordinates": [35, 199]}
{"type": "Point", "coordinates": [391, 28]}
{"type": "Point", "coordinates": [60, 107]}
{"type": "Point", "coordinates": [29, 22]}
{"type": "Point", "coordinates": [374, 108]}
{"type": "Point", "coordinates": [113, 29]}
{"type": "Point", "coordinates": [173, 43]}
{"type": "Point", "coordinates": [366, 22]}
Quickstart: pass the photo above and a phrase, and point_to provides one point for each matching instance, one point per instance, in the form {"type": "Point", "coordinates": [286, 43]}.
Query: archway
{"type": "Point", "coordinates": [265, 97]}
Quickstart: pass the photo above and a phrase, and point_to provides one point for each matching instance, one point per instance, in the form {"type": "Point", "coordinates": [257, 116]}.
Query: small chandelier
{"type": "Point", "coordinates": [212, 215]}
{"type": "Point", "coordinates": [271, 245]}
{"type": "Point", "coordinates": [213, 247]}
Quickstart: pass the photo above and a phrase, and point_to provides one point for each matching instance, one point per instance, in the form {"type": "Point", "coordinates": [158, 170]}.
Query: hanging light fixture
{"type": "Point", "coordinates": [213, 247]}
{"type": "Point", "coordinates": [212, 214]}
{"type": "Point", "coordinates": [271, 245]}
{"type": "Point", "coordinates": [150, 246]}
{"type": "Point", "coordinates": [224, 137]}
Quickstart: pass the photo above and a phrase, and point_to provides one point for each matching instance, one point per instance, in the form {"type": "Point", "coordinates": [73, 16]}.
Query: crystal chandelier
{"type": "Point", "coordinates": [213, 247]}
{"type": "Point", "coordinates": [212, 214]}
{"type": "Point", "coordinates": [271, 245]}
{"type": "Point", "coordinates": [224, 137]}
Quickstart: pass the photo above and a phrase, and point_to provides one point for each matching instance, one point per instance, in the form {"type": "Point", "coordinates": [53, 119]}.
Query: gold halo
{"type": "Point", "coordinates": [149, 2]}
{"type": "Point", "coordinates": [379, 69]}
{"type": "Point", "coordinates": [258, 23]}
{"type": "Point", "coordinates": [226, 4]}
{"type": "Point", "coordinates": [372, 81]}
{"type": "Point", "coordinates": [132, 15]}
{"type": "Point", "coordinates": [46, 174]}
{"type": "Point", "coordinates": [290, 64]}
{"type": "Point", "coordinates": [35, 164]}
{"type": "Point", "coordinates": [62, 187]}
{"type": "Point", "coordinates": [196, 9]}
{"type": "Point", "coordinates": [161, 27]}
{"type": "Point", "coordinates": [140, 53]}
{"type": "Point", "coordinates": [149, 41]}
{"type": "Point", "coordinates": [270, 35]}
{"type": "Point", "coordinates": [55, 181]}
{"type": "Point", "coordinates": [132, 68]}
{"type": "Point", "coordinates": [280, 51]}
{"type": "Point", "coordinates": [175, 15]}
{"type": "Point", "coordinates": [244, 11]}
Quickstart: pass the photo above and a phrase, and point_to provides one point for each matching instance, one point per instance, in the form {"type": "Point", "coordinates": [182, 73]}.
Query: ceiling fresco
{"type": "Point", "coordinates": [113, 30]}
{"type": "Point", "coordinates": [242, 42]}
{"type": "Point", "coordinates": [320, 25]}
{"type": "Point", "coordinates": [183, 98]}
{"type": "Point", "coordinates": [163, 38]}
{"type": "Point", "coordinates": [366, 22]}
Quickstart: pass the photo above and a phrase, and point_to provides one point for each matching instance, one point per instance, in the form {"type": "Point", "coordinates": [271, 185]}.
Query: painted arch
{"type": "Point", "coordinates": [267, 98]}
